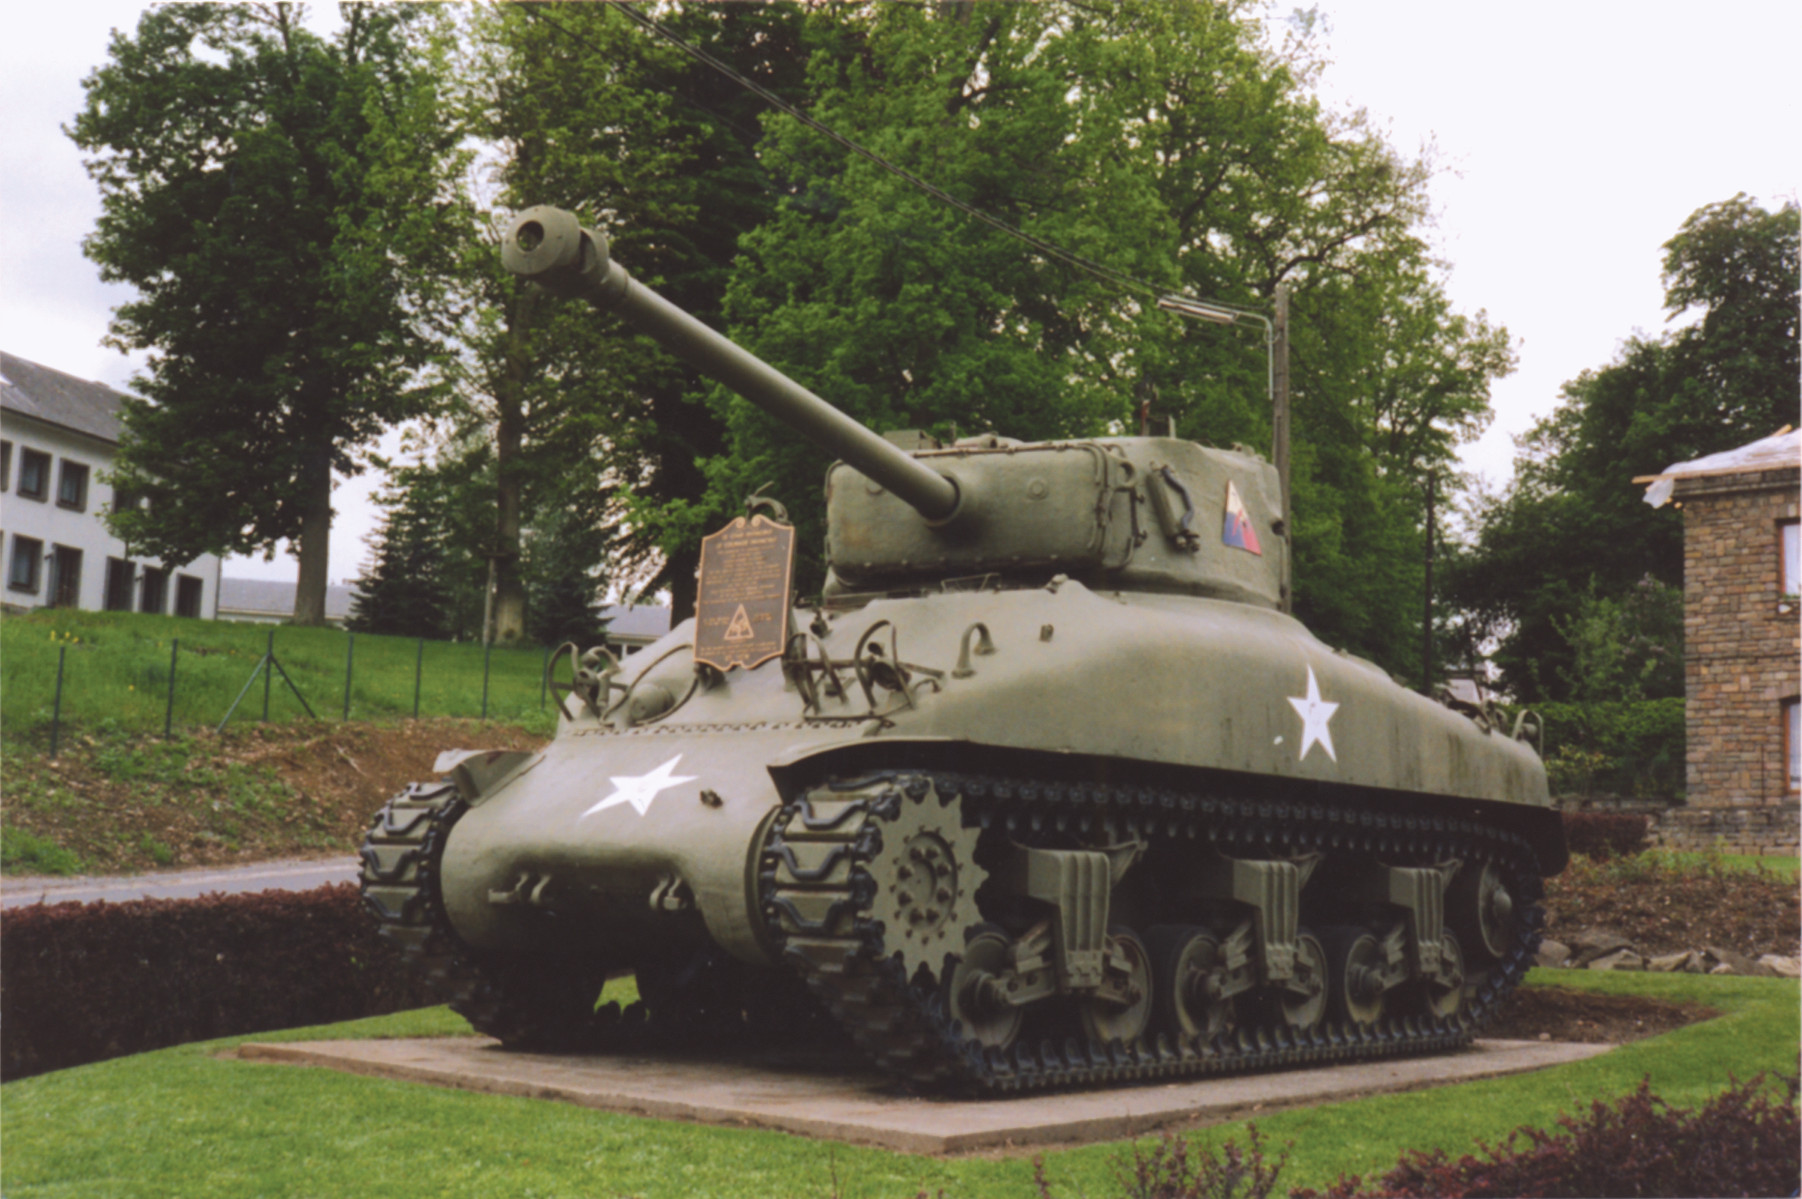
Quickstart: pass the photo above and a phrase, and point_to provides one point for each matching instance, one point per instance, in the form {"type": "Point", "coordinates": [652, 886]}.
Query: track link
{"type": "Point", "coordinates": [817, 896]}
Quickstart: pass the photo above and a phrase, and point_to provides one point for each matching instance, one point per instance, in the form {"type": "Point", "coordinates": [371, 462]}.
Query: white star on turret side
{"type": "Point", "coordinates": [1314, 713]}
{"type": "Point", "coordinates": [640, 791]}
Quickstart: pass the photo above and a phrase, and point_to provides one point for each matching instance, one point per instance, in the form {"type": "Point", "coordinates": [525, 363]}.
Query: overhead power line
{"type": "Point", "coordinates": [1051, 250]}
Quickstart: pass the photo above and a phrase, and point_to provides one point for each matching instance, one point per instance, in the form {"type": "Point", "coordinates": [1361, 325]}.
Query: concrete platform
{"type": "Point", "coordinates": [823, 1098]}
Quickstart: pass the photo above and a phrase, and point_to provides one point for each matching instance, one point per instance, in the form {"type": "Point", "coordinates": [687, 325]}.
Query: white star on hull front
{"type": "Point", "coordinates": [641, 790]}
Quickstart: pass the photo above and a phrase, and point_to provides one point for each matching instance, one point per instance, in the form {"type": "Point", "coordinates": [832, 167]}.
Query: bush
{"type": "Point", "coordinates": [1626, 747]}
{"type": "Point", "coordinates": [1741, 1142]}
{"type": "Point", "coordinates": [84, 982]}
{"type": "Point", "coordinates": [1166, 1171]}
{"type": "Point", "coordinates": [1604, 835]}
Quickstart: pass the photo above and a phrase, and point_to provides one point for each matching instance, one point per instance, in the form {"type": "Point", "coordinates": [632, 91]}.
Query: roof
{"type": "Point", "coordinates": [276, 598]}
{"type": "Point", "coordinates": [29, 389]}
{"type": "Point", "coordinates": [1781, 450]}
{"type": "Point", "coordinates": [650, 621]}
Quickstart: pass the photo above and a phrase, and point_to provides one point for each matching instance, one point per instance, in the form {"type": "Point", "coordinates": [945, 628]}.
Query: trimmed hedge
{"type": "Point", "coordinates": [84, 982]}
{"type": "Point", "coordinates": [1604, 835]}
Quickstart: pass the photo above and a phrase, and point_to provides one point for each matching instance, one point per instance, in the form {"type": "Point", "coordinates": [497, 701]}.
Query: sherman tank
{"type": "Point", "coordinates": [1046, 789]}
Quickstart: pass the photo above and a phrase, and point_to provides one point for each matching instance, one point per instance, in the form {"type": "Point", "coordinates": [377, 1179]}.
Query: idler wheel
{"type": "Point", "coordinates": [1106, 1018]}
{"type": "Point", "coordinates": [1184, 959]}
{"type": "Point", "coordinates": [973, 990]}
{"type": "Point", "coordinates": [1481, 909]}
{"type": "Point", "coordinates": [1356, 963]}
{"type": "Point", "coordinates": [1304, 998]}
{"type": "Point", "coordinates": [1444, 996]}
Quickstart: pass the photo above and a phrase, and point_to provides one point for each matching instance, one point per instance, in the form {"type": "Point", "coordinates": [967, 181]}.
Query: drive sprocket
{"type": "Point", "coordinates": [926, 878]}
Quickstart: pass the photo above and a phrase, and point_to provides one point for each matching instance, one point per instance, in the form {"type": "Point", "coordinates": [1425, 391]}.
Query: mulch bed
{"type": "Point", "coordinates": [1664, 908]}
{"type": "Point", "coordinates": [1563, 1014]}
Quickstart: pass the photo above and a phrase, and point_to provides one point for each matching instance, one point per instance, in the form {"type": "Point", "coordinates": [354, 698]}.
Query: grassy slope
{"type": "Point", "coordinates": [116, 675]}
{"type": "Point", "coordinates": [115, 694]}
{"type": "Point", "coordinates": [184, 1122]}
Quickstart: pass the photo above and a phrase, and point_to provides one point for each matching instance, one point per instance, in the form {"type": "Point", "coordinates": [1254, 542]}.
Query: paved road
{"type": "Point", "coordinates": [180, 884]}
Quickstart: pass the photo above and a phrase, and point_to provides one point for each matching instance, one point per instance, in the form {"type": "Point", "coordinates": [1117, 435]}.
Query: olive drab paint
{"type": "Point", "coordinates": [1096, 621]}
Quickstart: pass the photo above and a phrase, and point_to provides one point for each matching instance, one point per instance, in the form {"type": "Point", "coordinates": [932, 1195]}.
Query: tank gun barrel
{"type": "Point", "coordinates": [549, 247]}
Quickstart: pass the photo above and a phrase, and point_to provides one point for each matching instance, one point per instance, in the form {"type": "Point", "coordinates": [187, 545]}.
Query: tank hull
{"type": "Point", "coordinates": [1120, 686]}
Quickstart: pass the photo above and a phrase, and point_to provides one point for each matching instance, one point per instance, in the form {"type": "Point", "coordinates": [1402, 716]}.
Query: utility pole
{"type": "Point", "coordinates": [1279, 419]}
{"type": "Point", "coordinates": [1426, 619]}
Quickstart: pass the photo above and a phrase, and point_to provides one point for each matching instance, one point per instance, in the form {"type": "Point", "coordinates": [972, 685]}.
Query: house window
{"type": "Point", "coordinates": [6, 465]}
{"type": "Point", "coordinates": [120, 575]}
{"type": "Point", "coordinates": [22, 568]}
{"type": "Point", "coordinates": [187, 595]}
{"type": "Point", "coordinates": [156, 585]}
{"type": "Point", "coordinates": [1790, 553]}
{"type": "Point", "coordinates": [65, 577]}
{"type": "Point", "coordinates": [72, 486]}
{"type": "Point", "coordinates": [34, 474]}
{"type": "Point", "coordinates": [1792, 741]}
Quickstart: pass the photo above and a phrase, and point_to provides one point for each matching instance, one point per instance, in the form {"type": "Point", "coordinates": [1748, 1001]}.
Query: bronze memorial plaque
{"type": "Point", "coordinates": [746, 593]}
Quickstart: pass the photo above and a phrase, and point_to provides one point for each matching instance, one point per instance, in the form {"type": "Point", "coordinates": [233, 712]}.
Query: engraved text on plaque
{"type": "Point", "coordinates": [746, 593]}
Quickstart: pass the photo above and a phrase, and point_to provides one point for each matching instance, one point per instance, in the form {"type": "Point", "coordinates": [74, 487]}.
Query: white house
{"type": "Point", "coordinates": [631, 627]}
{"type": "Point", "coordinates": [58, 435]}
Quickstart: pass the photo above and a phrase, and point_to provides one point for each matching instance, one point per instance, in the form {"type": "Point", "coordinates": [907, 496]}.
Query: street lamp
{"type": "Point", "coordinates": [1276, 346]}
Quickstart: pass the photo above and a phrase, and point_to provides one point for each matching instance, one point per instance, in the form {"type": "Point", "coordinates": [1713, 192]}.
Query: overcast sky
{"type": "Point", "coordinates": [1575, 138]}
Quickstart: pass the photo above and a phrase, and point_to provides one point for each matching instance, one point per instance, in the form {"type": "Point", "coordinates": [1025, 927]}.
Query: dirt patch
{"type": "Point", "coordinates": [124, 804]}
{"type": "Point", "coordinates": [1563, 1014]}
{"type": "Point", "coordinates": [352, 770]}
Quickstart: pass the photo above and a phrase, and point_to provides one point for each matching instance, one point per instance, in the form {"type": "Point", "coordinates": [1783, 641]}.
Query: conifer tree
{"type": "Point", "coordinates": [404, 590]}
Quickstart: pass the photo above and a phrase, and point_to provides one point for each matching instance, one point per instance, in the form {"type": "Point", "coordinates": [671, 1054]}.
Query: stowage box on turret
{"type": "Point", "coordinates": [1045, 790]}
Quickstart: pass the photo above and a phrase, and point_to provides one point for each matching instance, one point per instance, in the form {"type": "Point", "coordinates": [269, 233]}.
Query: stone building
{"type": "Point", "coordinates": [1740, 629]}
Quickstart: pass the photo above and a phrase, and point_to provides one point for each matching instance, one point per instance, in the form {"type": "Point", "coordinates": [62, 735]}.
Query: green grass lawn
{"type": "Point", "coordinates": [116, 675]}
{"type": "Point", "coordinates": [186, 1122]}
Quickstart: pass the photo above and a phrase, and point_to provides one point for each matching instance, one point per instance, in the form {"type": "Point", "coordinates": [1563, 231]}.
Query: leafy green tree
{"type": "Point", "coordinates": [281, 203]}
{"type": "Point", "coordinates": [1179, 145]}
{"type": "Point", "coordinates": [1574, 521]}
{"type": "Point", "coordinates": [587, 421]}
{"type": "Point", "coordinates": [1630, 648]}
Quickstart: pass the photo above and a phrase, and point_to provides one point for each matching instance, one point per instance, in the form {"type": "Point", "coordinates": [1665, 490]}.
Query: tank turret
{"type": "Point", "coordinates": [1048, 791]}
{"type": "Point", "coordinates": [1123, 513]}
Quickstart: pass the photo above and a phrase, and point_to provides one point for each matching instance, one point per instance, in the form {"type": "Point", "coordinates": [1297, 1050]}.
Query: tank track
{"type": "Point", "coordinates": [820, 916]}
{"type": "Point", "coordinates": [527, 1004]}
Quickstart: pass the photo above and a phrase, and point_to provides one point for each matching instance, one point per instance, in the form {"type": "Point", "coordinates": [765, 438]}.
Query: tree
{"type": "Point", "coordinates": [1574, 525]}
{"type": "Point", "coordinates": [1177, 144]}
{"type": "Point", "coordinates": [281, 203]}
{"type": "Point", "coordinates": [563, 577]}
{"type": "Point", "coordinates": [405, 589]}
{"type": "Point", "coordinates": [1626, 649]}
{"type": "Point", "coordinates": [585, 420]}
